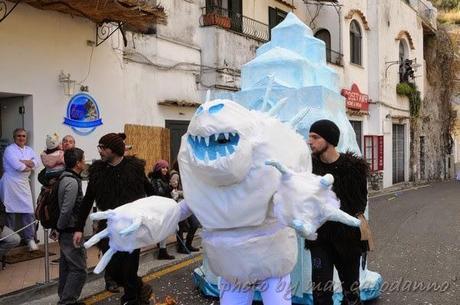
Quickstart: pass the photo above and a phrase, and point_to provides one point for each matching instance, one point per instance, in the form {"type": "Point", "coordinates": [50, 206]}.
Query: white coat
{"type": "Point", "coordinates": [15, 189]}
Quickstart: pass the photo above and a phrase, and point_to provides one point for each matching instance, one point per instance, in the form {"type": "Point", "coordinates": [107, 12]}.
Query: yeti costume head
{"type": "Point", "coordinates": [222, 162]}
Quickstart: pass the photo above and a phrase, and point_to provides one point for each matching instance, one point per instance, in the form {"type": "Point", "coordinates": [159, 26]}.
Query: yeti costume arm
{"type": "Point", "coordinates": [305, 201]}
{"type": "Point", "coordinates": [138, 224]}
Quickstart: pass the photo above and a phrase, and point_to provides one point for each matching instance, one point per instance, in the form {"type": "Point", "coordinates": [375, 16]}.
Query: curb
{"type": "Point", "coordinates": [391, 190]}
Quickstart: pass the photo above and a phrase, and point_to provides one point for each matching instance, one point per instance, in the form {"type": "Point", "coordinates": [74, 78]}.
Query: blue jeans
{"type": "Point", "coordinates": [24, 219]}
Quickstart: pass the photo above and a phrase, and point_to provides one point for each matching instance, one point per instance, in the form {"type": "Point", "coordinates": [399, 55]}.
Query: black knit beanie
{"type": "Point", "coordinates": [327, 130]}
{"type": "Point", "coordinates": [115, 142]}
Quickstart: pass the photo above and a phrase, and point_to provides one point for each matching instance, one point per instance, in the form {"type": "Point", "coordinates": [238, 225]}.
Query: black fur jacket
{"type": "Point", "coordinates": [350, 185]}
{"type": "Point", "coordinates": [113, 186]}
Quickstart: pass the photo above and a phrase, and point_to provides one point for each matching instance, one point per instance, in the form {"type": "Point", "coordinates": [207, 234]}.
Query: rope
{"type": "Point", "coordinates": [189, 253]}
{"type": "Point", "coordinates": [16, 232]}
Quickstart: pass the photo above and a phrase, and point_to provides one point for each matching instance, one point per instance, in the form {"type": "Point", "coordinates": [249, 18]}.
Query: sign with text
{"type": "Point", "coordinates": [354, 99]}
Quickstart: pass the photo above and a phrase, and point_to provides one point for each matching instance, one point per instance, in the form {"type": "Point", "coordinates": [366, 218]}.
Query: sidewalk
{"type": "Point", "coordinates": [22, 282]}
{"type": "Point", "coordinates": [19, 276]}
{"type": "Point", "coordinates": [396, 188]}
{"type": "Point", "coordinates": [47, 294]}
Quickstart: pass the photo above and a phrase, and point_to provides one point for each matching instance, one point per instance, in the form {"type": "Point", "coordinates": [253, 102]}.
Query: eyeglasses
{"type": "Point", "coordinates": [21, 136]}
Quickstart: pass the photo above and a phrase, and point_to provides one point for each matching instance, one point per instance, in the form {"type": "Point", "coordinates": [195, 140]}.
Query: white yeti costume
{"type": "Point", "coordinates": [247, 178]}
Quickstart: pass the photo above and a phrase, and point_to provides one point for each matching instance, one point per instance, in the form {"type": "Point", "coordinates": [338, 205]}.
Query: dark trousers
{"type": "Point", "coordinates": [122, 269]}
{"type": "Point", "coordinates": [324, 256]}
{"type": "Point", "coordinates": [72, 270]}
{"type": "Point", "coordinates": [189, 226]}
{"type": "Point", "coordinates": [23, 220]}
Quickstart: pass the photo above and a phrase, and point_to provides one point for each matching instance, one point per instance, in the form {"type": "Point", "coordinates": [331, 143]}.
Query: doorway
{"type": "Point", "coordinates": [11, 117]}
{"type": "Point", "coordinates": [177, 129]}
{"type": "Point", "coordinates": [398, 153]}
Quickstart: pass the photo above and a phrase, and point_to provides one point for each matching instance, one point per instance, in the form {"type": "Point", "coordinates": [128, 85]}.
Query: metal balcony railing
{"type": "Point", "coordinates": [424, 10]}
{"type": "Point", "coordinates": [224, 18]}
{"type": "Point", "coordinates": [334, 57]}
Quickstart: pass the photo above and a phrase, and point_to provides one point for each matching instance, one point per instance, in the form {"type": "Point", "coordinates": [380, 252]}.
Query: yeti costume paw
{"type": "Point", "coordinates": [138, 224]}
{"type": "Point", "coordinates": [305, 201]}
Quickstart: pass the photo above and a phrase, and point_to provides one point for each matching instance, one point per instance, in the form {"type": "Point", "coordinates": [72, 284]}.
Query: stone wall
{"type": "Point", "coordinates": [429, 160]}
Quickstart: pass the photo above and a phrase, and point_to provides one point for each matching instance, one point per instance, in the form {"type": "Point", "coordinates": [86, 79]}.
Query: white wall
{"type": "Point", "coordinates": [39, 44]}
{"type": "Point", "coordinates": [386, 20]}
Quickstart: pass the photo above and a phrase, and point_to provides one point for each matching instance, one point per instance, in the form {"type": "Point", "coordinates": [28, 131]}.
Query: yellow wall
{"type": "Point", "coordinates": [258, 9]}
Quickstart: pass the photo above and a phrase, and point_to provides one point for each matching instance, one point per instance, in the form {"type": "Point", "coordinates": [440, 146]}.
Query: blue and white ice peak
{"type": "Point", "coordinates": [293, 66]}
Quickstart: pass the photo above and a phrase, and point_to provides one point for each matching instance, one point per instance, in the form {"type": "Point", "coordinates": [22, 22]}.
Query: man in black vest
{"type": "Point", "coordinates": [337, 245]}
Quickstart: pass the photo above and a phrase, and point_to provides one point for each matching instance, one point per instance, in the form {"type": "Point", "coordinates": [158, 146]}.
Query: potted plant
{"type": "Point", "coordinates": [214, 18]}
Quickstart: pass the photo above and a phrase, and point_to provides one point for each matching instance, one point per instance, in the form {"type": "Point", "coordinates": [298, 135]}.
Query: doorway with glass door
{"type": "Point", "coordinates": [11, 117]}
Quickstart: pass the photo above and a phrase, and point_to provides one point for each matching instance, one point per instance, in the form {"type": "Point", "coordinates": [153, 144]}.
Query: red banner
{"type": "Point", "coordinates": [355, 99]}
{"type": "Point", "coordinates": [380, 154]}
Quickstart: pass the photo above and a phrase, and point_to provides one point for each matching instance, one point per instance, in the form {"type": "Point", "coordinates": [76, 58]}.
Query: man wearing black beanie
{"type": "Point", "coordinates": [337, 244]}
{"type": "Point", "coordinates": [114, 181]}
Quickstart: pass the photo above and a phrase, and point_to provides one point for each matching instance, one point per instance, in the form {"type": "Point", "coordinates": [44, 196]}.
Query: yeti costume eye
{"type": "Point", "coordinates": [216, 108]}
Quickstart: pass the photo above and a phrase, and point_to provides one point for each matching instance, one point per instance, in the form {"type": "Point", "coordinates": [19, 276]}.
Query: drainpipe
{"type": "Point", "coordinates": [339, 13]}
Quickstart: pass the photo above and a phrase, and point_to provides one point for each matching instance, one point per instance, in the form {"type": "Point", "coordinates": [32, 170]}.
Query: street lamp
{"type": "Point", "coordinates": [69, 84]}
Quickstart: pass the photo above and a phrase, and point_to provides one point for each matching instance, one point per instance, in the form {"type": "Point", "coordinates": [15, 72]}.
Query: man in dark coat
{"type": "Point", "coordinates": [337, 244]}
{"type": "Point", "coordinates": [114, 181]}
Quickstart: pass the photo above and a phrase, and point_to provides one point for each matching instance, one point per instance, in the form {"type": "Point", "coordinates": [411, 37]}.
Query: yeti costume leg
{"type": "Point", "coordinates": [274, 291]}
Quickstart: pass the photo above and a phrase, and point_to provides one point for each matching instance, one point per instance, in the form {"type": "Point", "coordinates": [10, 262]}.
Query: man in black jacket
{"type": "Point", "coordinates": [114, 181]}
{"type": "Point", "coordinates": [337, 244]}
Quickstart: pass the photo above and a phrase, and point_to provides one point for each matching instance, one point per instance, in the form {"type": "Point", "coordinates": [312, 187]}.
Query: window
{"type": "Point", "coordinates": [403, 55]}
{"type": "Point", "coordinates": [358, 128]}
{"type": "Point", "coordinates": [275, 16]}
{"type": "Point", "coordinates": [325, 36]}
{"type": "Point", "coordinates": [355, 42]}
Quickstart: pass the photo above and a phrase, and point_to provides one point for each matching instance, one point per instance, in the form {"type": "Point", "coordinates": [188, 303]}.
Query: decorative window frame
{"type": "Point", "coordinates": [406, 35]}
{"type": "Point", "coordinates": [361, 15]}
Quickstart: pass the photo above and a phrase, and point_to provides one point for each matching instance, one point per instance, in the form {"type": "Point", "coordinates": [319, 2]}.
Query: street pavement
{"type": "Point", "coordinates": [417, 234]}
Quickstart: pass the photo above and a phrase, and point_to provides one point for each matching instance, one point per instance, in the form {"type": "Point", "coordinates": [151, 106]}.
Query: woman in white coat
{"type": "Point", "coordinates": [19, 161]}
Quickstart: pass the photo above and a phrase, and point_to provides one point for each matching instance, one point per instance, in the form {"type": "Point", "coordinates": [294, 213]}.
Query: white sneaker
{"type": "Point", "coordinates": [32, 245]}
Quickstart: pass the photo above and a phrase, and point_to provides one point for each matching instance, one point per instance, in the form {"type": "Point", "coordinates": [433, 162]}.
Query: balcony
{"type": "Point", "coordinates": [334, 57]}
{"type": "Point", "coordinates": [427, 12]}
{"type": "Point", "coordinates": [236, 22]}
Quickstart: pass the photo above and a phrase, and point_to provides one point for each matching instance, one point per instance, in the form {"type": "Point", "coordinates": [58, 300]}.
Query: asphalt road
{"type": "Point", "coordinates": [417, 235]}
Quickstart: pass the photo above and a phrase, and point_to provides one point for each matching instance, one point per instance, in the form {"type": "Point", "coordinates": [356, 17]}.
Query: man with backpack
{"type": "Point", "coordinates": [72, 264]}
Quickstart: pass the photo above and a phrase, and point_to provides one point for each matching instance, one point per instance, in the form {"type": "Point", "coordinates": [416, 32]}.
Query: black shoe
{"type": "Point", "coordinates": [112, 287]}
{"type": "Point", "coordinates": [163, 255]}
{"type": "Point", "coordinates": [192, 248]}
{"type": "Point", "coordinates": [181, 249]}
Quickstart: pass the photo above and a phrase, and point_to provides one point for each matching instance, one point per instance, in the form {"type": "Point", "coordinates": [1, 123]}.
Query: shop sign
{"type": "Point", "coordinates": [355, 100]}
{"type": "Point", "coordinates": [83, 113]}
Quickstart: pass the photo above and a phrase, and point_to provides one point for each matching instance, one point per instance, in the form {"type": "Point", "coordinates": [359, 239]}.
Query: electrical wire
{"type": "Point", "coordinates": [181, 66]}
{"type": "Point", "coordinates": [89, 66]}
